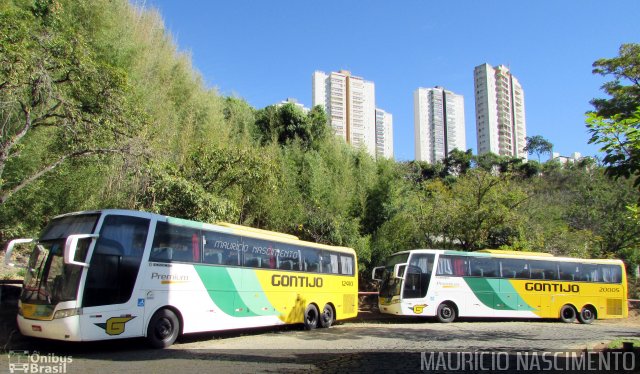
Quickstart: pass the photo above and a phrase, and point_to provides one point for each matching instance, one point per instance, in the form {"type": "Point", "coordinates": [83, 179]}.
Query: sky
{"type": "Point", "coordinates": [265, 51]}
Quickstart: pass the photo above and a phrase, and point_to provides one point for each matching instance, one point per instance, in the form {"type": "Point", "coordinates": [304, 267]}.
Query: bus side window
{"type": "Point", "coordinates": [568, 271]}
{"type": "Point", "coordinates": [346, 264]}
{"type": "Point", "coordinates": [252, 262]}
{"type": "Point", "coordinates": [162, 253]}
{"type": "Point", "coordinates": [221, 249]}
{"type": "Point", "coordinates": [513, 268]}
{"type": "Point", "coordinates": [288, 257]}
{"type": "Point", "coordinates": [616, 274]}
{"type": "Point", "coordinates": [484, 267]}
{"type": "Point", "coordinates": [611, 273]}
{"type": "Point", "coordinates": [311, 260]}
{"type": "Point", "coordinates": [175, 243]}
{"type": "Point", "coordinates": [213, 256]}
{"type": "Point", "coordinates": [445, 266]}
{"type": "Point", "coordinates": [329, 263]}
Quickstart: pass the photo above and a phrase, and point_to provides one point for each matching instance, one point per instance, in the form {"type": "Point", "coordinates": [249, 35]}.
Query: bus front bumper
{"type": "Point", "coordinates": [393, 307]}
{"type": "Point", "coordinates": [58, 329]}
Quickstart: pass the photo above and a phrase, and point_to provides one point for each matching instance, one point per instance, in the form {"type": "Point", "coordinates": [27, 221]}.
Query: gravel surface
{"type": "Point", "coordinates": [368, 344]}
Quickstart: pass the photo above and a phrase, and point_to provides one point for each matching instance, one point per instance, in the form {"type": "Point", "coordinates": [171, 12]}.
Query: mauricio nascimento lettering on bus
{"type": "Point", "coordinates": [528, 361]}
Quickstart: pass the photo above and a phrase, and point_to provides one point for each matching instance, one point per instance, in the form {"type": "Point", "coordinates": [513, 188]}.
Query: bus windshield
{"type": "Point", "coordinates": [391, 286]}
{"type": "Point", "coordinates": [48, 279]}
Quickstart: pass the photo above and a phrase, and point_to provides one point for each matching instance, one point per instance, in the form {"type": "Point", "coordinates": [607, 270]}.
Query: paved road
{"type": "Point", "coordinates": [369, 344]}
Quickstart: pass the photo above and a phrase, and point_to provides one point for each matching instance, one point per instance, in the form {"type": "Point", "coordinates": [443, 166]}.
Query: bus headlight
{"type": "Point", "coordinates": [64, 313]}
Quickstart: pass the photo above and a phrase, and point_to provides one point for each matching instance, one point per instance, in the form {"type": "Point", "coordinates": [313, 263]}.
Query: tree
{"type": "Point", "coordinates": [458, 162]}
{"type": "Point", "coordinates": [538, 145]}
{"type": "Point", "coordinates": [287, 122]}
{"type": "Point", "coordinates": [51, 84]}
{"type": "Point", "coordinates": [624, 89]}
{"type": "Point", "coordinates": [484, 210]}
{"type": "Point", "coordinates": [615, 123]}
{"type": "Point", "coordinates": [620, 141]}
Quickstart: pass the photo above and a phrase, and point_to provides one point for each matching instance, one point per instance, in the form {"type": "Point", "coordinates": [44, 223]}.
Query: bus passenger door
{"type": "Point", "coordinates": [110, 307]}
{"type": "Point", "coordinates": [417, 277]}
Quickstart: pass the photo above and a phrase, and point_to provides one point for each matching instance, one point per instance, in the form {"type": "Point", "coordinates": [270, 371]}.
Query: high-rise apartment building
{"type": "Point", "coordinates": [500, 120]}
{"type": "Point", "coordinates": [438, 123]}
{"type": "Point", "coordinates": [350, 105]}
{"type": "Point", "coordinates": [384, 134]}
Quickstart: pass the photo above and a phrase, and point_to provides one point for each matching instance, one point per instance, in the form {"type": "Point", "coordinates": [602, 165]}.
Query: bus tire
{"type": "Point", "coordinates": [327, 317]}
{"type": "Point", "coordinates": [587, 315]}
{"type": "Point", "coordinates": [311, 317]}
{"type": "Point", "coordinates": [446, 312]}
{"type": "Point", "coordinates": [568, 314]}
{"type": "Point", "coordinates": [163, 329]}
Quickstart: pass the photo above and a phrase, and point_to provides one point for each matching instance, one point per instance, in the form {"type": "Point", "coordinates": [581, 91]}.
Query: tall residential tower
{"type": "Point", "coordinates": [500, 120]}
{"type": "Point", "coordinates": [384, 134]}
{"type": "Point", "coordinates": [350, 105]}
{"type": "Point", "coordinates": [438, 123]}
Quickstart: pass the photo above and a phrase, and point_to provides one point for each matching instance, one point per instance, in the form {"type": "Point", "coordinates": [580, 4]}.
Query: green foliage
{"type": "Point", "coordinates": [624, 89]}
{"type": "Point", "coordinates": [284, 123]}
{"type": "Point", "coordinates": [615, 124]}
{"type": "Point", "coordinates": [101, 110]}
{"type": "Point", "coordinates": [50, 81]}
{"type": "Point", "coordinates": [538, 145]}
{"type": "Point", "coordinates": [620, 141]}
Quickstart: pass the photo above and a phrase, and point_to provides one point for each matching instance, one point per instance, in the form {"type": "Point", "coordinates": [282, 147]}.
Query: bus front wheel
{"type": "Point", "coordinates": [567, 314]}
{"type": "Point", "coordinates": [311, 317]}
{"type": "Point", "coordinates": [587, 315]}
{"type": "Point", "coordinates": [163, 328]}
{"type": "Point", "coordinates": [446, 313]}
{"type": "Point", "coordinates": [327, 317]}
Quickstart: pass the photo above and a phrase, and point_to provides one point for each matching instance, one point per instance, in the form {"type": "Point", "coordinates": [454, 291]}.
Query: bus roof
{"type": "Point", "coordinates": [224, 227]}
{"type": "Point", "coordinates": [512, 254]}
{"type": "Point", "coordinates": [257, 231]}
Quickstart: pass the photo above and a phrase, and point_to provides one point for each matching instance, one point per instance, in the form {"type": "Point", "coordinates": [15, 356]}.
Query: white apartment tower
{"type": "Point", "coordinates": [384, 134]}
{"type": "Point", "coordinates": [438, 118]}
{"type": "Point", "coordinates": [500, 120]}
{"type": "Point", "coordinates": [350, 105]}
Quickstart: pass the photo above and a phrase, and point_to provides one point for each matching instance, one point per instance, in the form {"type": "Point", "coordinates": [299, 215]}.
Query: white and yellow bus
{"type": "Point", "coordinates": [494, 283]}
{"type": "Point", "coordinates": [118, 274]}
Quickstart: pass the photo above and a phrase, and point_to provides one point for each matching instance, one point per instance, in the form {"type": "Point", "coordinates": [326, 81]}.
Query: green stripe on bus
{"type": "Point", "coordinates": [222, 285]}
{"type": "Point", "coordinates": [496, 293]}
{"type": "Point", "coordinates": [253, 297]}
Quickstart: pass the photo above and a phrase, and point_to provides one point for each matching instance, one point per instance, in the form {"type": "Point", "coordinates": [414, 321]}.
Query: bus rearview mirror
{"type": "Point", "coordinates": [71, 246]}
{"type": "Point", "coordinates": [377, 272]}
{"type": "Point", "coordinates": [9, 252]}
{"type": "Point", "coordinates": [398, 270]}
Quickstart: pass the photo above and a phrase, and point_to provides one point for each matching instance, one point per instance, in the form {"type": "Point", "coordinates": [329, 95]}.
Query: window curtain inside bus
{"type": "Point", "coordinates": [444, 266]}
{"type": "Point", "coordinates": [121, 234]}
{"type": "Point", "coordinates": [347, 264]}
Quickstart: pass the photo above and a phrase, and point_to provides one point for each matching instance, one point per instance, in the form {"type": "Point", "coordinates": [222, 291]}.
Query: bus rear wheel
{"type": "Point", "coordinates": [163, 329]}
{"type": "Point", "coordinates": [311, 317]}
{"type": "Point", "coordinates": [587, 315]}
{"type": "Point", "coordinates": [327, 317]}
{"type": "Point", "coordinates": [567, 314]}
{"type": "Point", "coordinates": [446, 313]}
